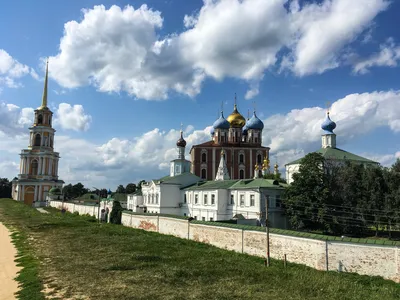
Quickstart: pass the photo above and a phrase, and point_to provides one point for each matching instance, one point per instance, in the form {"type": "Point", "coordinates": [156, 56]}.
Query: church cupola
{"type": "Point", "coordinates": [237, 122]}
{"type": "Point", "coordinates": [254, 128]}
{"type": "Point", "coordinates": [180, 165]}
{"type": "Point", "coordinates": [220, 129]}
{"type": "Point", "coordinates": [329, 137]}
{"type": "Point", "coordinates": [181, 142]}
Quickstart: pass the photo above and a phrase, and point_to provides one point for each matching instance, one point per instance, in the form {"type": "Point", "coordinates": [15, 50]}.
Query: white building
{"type": "Point", "coordinates": [135, 201]}
{"type": "Point", "coordinates": [329, 151]}
{"type": "Point", "coordinates": [39, 163]}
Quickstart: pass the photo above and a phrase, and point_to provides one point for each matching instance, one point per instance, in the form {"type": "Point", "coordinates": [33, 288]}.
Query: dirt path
{"type": "Point", "coordinates": [8, 268]}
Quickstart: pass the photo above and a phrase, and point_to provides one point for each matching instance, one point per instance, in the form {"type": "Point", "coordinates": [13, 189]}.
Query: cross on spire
{"type": "Point", "coordinates": [328, 104]}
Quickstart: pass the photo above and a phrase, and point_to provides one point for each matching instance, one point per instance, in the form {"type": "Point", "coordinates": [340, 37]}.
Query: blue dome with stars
{"type": "Point", "coordinates": [328, 125]}
{"type": "Point", "coordinates": [221, 123]}
{"type": "Point", "coordinates": [255, 123]}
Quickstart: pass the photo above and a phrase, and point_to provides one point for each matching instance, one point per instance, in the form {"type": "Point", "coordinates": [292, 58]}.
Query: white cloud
{"type": "Point", "coordinates": [147, 156]}
{"type": "Point", "coordinates": [388, 56]}
{"type": "Point", "coordinates": [72, 117]}
{"type": "Point", "coordinates": [324, 29]}
{"type": "Point", "coordinates": [299, 130]}
{"type": "Point", "coordinates": [11, 70]}
{"type": "Point", "coordinates": [119, 50]}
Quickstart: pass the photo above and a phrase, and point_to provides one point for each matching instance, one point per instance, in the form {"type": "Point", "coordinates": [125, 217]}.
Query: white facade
{"type": "Point", "coordinates": [135, 202]}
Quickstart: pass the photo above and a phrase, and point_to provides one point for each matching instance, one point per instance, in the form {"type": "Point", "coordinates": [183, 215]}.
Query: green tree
{"type": "Point", "coordinates": [130, 188]}
{"type": "Point", "coordinates": [307, 195]}
{"type": "Point", "coordinates": [116, 213]}
{"type": "Point", "coordinates": [5, 188]}
{"type": "Point", "coordinates": [120, 189]}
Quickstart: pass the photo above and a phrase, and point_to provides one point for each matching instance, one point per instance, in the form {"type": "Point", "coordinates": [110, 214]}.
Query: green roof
{"type": "Point", "coordinates": [338, 154]}
{"type": "Point", "coordinates": [168, 178]}
{"type": "Point", "coordinates": [235, 184]}
{"type": "Point", "coordinates": [255, 183]}
{"type": "Point", "coordinates": [137, 193]}
{"type": "Point", "coordinates": [211, 185]}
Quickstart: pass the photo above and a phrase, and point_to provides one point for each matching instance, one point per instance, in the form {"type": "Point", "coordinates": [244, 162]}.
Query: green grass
{"type": "Point", "coordinates": [79, 257]}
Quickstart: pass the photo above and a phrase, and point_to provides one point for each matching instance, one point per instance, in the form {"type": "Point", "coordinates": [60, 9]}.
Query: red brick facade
{"type": "Point", "coordinates": [206, 157]}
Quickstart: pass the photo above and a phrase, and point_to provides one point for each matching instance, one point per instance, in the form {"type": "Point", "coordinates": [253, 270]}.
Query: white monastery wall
{"type": "Point", "coordinates": [364, 259]}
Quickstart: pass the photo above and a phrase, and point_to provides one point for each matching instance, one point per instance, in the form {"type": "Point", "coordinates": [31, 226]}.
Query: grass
{"type": "Point", "coordinates": [80, 258]}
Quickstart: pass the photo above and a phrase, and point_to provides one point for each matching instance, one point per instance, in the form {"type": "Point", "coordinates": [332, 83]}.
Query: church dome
{"type": "Point", "coordinates": [181, 142]}
{"type": "Point", "coordinates": [255, 123]}
{"type": "Point", "coordinates": [212, 131]}
{"type": "Point", "coordinates": [221, 123]}
{"type": "Point", "coordinates": [236, 119]}
{"type": "Point", "coordinates": [328, 125]}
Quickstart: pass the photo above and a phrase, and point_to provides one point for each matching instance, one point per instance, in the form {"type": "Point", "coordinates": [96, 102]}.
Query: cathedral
{"type": "Point", "coordinates": [38, 174]}
{"type": "Point", "coordinates": [240, 140]}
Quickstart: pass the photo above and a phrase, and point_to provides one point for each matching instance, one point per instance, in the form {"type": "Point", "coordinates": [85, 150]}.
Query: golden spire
{"type": "Point", "coordinates": [44, 98]}
{"type": "Point", "coordinates": [235, 106]}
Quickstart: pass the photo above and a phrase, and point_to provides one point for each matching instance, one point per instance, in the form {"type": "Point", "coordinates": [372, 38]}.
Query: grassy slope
{"type": "Point", "coordinates": [105, 261]}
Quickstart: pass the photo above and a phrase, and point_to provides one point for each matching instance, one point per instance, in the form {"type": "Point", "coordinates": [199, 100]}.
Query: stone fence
{"type": "Point", "coordinates": [373, 260]}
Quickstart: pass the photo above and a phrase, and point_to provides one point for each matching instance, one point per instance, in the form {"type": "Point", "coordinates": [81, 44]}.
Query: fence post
{"type": "Point", "coordinates": [242, 240]}
{"type": "Point", "coordinates": [326, 255]}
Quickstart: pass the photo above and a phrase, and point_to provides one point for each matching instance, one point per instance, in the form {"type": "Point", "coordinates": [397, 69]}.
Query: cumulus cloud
{"type": "Point", "coordinates": [120, 50]}
{"type": "Point", "coordinates": [147, 156]}
{"type": "Point", "coordinates": [299, 130]}
{"type": "Point", "coordinates": [11, 70]}
{"type": "Point", "coordinates": [72, 117]}
{"type": "Point", "coordinates": [388, 56]}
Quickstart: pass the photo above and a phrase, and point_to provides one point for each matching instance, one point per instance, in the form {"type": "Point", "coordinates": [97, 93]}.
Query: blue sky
{"type": "Point", "coordinates": [120, 97]}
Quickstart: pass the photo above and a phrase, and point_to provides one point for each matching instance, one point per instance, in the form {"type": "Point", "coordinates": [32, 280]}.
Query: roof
{"type": "Point", "coordinates": [137, 193]}
{"type": "Point", "coordinates": [256, 183]}
{"type": "Point", "coordinates": [235, 184]}
{"type": "Point", "coordinates": [168, 178]}
{"type": "Point", "coordinates": [338, 154]}
{"type": "Point", "coordinates": [211, 185]}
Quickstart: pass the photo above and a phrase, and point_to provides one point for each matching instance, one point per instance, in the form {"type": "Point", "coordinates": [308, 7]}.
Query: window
{"type": "Point", "coordinates": [190, 198]}
{"type": "Point", "coordinates": [278, 201]}
{"type": "Point", "coordinates": [34, 167]}
{"type": "Point", "coordinates": [203, 157]}
{"type": "Point", "coordinates": [156, 198]}
{"type": "Point", "coordinates": [211, 219]}
{"type": "Point", "coordinates": [205, 199]}
{"type": "Point", "coordinates": [37, 140]}
{"type": "Point", "coordinates": [50, 120]}
{"type": "Point", "coordinates": [203, 218]}
{"type": "Point", "coordinates": [212, 199]}
{"type": "Point", "coordinates": [241, 158]}
{"type": "Point", "coordinates": [51, 142]}
{"type": "Point", "coordinates": [184, 214]}
{"type": "Point", "coordinates": [195, 217]}
{"type": "Point", "coordinates": [252, 201]}
{"type": "Point", "coordinates": [203, 173]}
{"type": "Point", "coordinates": [40, 119]}
{"type": "Point", "coordinates": [241, 200]}
{"type": "Point", "coordinates": [241, 174]}
{"type": "Point", "coordinates": [184, 198]}
{"type": "Point", "coordinates": [259, 159]}
{"type": "Point", "coordinates": [232, 199]}
{"type": "Point", "coordinates": [196, 199]}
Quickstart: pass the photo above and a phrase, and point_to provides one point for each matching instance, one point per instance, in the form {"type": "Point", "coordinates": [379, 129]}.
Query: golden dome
{"type": "Point", "coordinates": [236, 119]}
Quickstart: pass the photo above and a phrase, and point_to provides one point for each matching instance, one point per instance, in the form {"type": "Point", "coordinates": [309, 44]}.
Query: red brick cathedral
{"type": "Point", "coordinates": [240, 139]}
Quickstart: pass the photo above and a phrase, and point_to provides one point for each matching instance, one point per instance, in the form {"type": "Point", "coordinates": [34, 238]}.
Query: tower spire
{"type": "Point", "coordinates": [222, 172]}
{"type": "Point", "coordinates": [235, 106]}
{"type": "Point", "coordinates": [44, 97]}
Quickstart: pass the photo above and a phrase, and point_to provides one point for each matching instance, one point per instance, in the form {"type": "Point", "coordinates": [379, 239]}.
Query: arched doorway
{"type": "Point", "coordinates": [29, 195]}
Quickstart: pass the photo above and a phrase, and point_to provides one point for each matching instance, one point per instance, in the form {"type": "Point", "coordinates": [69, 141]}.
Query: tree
{"type": "Point", "coordinates": [307, 195]}
{"type": "Point", "coordinates": [130, 188]}
{"type": "Point", "coordinates": [120, 189]}
{"type": "Point", "coordinates": [5, 188]}
{"type": "Point", "coordinates": [116, 213]}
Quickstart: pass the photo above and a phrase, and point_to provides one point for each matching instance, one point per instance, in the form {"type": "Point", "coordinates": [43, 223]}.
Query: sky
{"type": "Point", "coordinates": [123, 76]}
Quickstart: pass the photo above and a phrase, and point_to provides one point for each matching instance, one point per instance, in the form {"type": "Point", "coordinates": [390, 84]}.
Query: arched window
{"type": "Point", "coordinates": [241, 174]}
{"type": "Point", "coordinates": [203, 157]}
{"type": "Point", "coordinates": [203, 173]}
{"type": "Point", "coordinates": [34, 167]}
{"type": "Point", "coordinates": [259, 159]}
{"type": "Point", "coordinates": [50, 120]}
{"type": "Point", "coordinates": [51, 142]}
{"type": "Point", "coordinates": [40, 119]}
{"type": "Point", "coordinates": [241, 158]}
{"type": "Point", "coordinates": [37, 140]}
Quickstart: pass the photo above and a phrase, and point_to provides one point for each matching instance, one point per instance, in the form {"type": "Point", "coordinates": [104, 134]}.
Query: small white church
{"type": "Point", "coordinates": [329, 151]}
{"type": "Point", "coordinates": [183, 193]}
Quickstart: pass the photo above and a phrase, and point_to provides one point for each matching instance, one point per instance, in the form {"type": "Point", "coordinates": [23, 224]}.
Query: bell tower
{"type": "Point", "coordinates": [39, 162]}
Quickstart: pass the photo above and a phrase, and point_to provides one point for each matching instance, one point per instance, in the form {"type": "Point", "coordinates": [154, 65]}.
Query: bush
{"type": "Point", "coordinates": [76, 213]}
